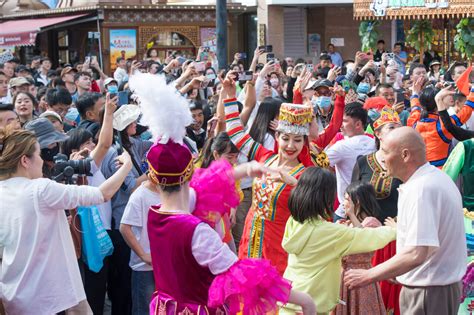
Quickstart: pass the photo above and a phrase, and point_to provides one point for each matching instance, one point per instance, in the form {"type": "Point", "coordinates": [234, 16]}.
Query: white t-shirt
{"type": "Point", "coordinates": [430, 214]}
{"type": "Point", "coordinates": [136, 215]}
{"type": "Point", "coordinates": [39, 272]}
{"type": "Point", "coordinates": [105, 209]}
{"type": "Point", "coordinates": [209, 250]}
{"type": "Point", "coordinates": [343, 156]}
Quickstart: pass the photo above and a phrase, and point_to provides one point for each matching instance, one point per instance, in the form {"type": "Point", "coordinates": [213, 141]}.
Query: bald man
{"type": "Point", "coordinates": [431, 243]}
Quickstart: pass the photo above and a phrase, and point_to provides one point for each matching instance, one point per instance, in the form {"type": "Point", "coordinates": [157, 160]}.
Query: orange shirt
{"type": "Point", "coordinates": [436, 136]}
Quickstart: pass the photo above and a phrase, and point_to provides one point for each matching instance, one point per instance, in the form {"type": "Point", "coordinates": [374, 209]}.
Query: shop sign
{"type": "Point", "coordinates": [123, 43]}
{"type": "Point", "coordinates": [17, 39]}
{"type": "Point", "coordinates": [337, 42]}
{"type": "Point", "coordinates": [314, 44]}
{"type": "Point", "coordinates": [379, 7]}
{"type": "Point", "coordinates": [92, 35]}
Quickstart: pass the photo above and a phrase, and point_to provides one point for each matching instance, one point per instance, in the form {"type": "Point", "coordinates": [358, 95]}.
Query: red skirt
{"type": "Point", "coordinates": [390, 291]}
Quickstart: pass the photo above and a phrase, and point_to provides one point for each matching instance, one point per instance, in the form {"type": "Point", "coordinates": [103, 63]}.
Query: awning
{"type": "Point", "coordinates": [412, 9]}
{"type": "Point", "coordinates": [23, 32]}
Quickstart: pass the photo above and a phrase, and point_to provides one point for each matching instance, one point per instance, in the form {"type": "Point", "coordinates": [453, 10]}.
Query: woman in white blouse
{"type": "Point", "coordinates": [39, 271]}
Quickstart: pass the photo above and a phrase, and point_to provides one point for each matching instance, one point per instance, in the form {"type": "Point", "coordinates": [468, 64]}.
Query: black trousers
{"type": "Point", "coordinates": [119, 279]}
{"type": "Point", "coordinates": [95, 285]}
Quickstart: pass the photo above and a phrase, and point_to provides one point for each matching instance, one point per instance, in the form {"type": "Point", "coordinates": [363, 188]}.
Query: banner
{"type": "Point", "coordinates": [123, 43]}
{"type": "Point", "coordinates": [314, 44]}
{"type": "Point", "coordinates": [209, 38]}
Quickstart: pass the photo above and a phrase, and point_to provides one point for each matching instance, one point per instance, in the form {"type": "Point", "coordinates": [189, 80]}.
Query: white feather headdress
{"type": "Point", "coordinates": [164, 110]}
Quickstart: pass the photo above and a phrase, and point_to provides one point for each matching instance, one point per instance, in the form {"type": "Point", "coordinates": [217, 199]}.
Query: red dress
{"type": "Point", "coordinates": [266, 220]}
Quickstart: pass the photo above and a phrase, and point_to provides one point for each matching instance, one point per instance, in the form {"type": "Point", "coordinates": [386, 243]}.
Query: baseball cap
{"type": "Point", "coordinates": [18, 81]}
{"type": "Point", "coordinates": [67, 70]}
{"type": "Point", "coordinates": [314, 84]}
{"type": "Point", "coordinates": [22, 68]}
{"type": "Point", "coordinates": [50, 113]}
{"type": "Point", "coordinates": [109, 80]}
{"type": "Point", "coordinates": [45, 132]}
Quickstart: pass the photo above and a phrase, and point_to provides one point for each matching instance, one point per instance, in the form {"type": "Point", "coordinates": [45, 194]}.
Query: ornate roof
{"type": "Point", "coordinates": [231, 7]}
{"type": "Point", "coordinates": [433, 9]}
{"type": "Point", "coordinates": [12, 6]}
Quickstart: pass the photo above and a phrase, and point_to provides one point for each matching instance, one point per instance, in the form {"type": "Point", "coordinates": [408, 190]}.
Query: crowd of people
{"type": "Point", "coordinates": [184, 186]}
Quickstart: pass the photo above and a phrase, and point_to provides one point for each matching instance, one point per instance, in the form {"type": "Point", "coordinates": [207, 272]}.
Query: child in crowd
{"type": "Point", "coordinates": [134, 230]}
{"type": "Point", "coordinates": [316, 246]}
{"type": "Point", "coordinates": [362, 209]}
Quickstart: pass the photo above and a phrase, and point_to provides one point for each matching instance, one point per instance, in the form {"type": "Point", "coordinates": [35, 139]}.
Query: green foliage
{"type": "Point", "coordinates": [368, 35]}
{"type": "Point", "coordinates": [464, 39]}
{"type": "Point", "coordinates": [420, 33]}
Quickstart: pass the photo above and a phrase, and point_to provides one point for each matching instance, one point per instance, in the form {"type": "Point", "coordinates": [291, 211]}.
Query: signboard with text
{"type": "Point", "coordinates": [380, 7]}
{"type": "Point", "coordinates": [123, 43]}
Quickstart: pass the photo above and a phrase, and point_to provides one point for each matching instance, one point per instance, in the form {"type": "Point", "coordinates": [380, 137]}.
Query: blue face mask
{"type": "Point", "coordinates": [363, 88]}
{"type": "Point", "coordinates": [323, 102]}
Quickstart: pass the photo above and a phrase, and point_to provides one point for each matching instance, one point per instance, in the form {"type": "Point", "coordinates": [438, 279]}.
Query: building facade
{"type": "Point", "coordinates": [304, 28]}
{"type": "Point", "coordinates": [108, 29]}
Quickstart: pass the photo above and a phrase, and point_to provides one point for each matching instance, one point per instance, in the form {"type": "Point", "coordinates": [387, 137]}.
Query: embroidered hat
{"type": "Point", "coordinates": [171, 164]}
{"type": "Point", "coordinates": [295, 119]}
{"type": "Point", "coordinates": [387, 115]}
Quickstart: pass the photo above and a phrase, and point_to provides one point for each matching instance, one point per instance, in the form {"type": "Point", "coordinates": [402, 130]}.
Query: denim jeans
{"type": "Point", "coordinates": [143, 286]}
{"type": "Point", "coordinates": [336, 218]}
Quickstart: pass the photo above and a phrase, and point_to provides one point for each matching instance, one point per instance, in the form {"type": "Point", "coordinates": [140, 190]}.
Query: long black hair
{"type": "Point", "coordinates": [268, 110]}
{"type": "Point", "coordinates": [77, 137]}
{"type": "Point", "coordinates": [220, 144]}
{"type": "Point", "coordinates": [365, 202]}
{"type": "Point", "coordinates": [313, 197]}
{"type": "Point", "coordinates": [427, 100]}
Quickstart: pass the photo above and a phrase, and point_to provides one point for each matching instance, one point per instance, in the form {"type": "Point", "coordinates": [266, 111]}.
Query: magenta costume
{"type": "Point", "coordinates": [182, 284]}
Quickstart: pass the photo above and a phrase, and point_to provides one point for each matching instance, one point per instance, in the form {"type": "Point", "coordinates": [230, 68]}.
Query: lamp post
{"type": "Point", "coordinates": [221, 28]}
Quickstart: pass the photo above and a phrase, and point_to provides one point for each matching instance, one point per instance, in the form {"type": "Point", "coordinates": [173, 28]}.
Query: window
{"type": "Point", "coordinates": [63, 47]}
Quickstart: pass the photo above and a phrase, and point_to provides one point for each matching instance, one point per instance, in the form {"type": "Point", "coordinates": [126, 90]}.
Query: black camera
{"type": "Point", "coordinates": [64, 169]}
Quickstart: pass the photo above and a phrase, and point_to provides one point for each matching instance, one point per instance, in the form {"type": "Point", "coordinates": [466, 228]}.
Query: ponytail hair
{"type": "Point", "coordinates": [220, 144]}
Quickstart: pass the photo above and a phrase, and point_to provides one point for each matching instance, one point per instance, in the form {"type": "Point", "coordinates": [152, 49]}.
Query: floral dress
{"type": "Point", "coordinates": [364, 300]}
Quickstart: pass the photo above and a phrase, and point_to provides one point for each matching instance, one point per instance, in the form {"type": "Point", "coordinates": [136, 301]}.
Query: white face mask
{"type": "Point", "coordinates": [274, 82]}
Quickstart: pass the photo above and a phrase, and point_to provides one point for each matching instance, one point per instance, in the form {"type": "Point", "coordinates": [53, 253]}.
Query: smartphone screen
{"type": "Point", "coordinates": [246, 76]}
{"type": "Point", "coordinates": [181, 60]}
{"type": "Point", "coordinates": [113, 90]}
{"type": "Point", "coordinates": [122, 98]}
{"type": "Point", "coordinates": [270, 57]}
{"type": "Point", "coordinates": [200, 66]}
